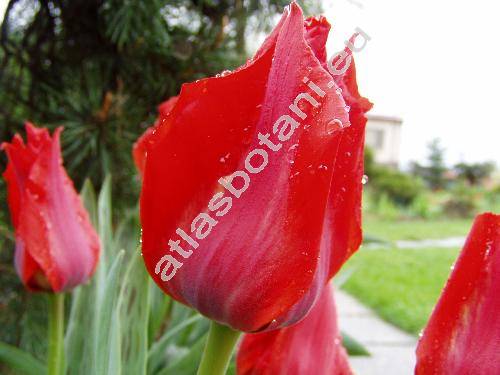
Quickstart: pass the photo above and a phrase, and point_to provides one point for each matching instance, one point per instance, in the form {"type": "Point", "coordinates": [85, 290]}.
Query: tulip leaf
{"type": "Point", "coordinates": [160, 305]}
{"type": "Point", "coordinates": [20, 361]}
{"type": "Point", "coordinates": [88, 197]}
{"type": "Point", "coordinates": [186, 364]}
{"type": "Point", "coordinates": [105, 226]}
{"type": "Point", "coordinates": [353, 347]}
{"type": "Point", "coordinates": [134, 307]}
{"type": "Point", "coordinates": [106, 352]}
{"type": "Point", "coordinates": [160, 345]}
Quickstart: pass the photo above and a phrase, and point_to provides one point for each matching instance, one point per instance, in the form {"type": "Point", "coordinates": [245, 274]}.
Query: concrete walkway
{"type": "Point", "coordinates": [392, 350]}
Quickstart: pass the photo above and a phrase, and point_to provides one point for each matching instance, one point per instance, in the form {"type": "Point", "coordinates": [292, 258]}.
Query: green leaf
{"type": "Point", "coordinates": [88, 197]}
{"type": "Point", "coordinates": [105, 227]}
{"type": "Point", "coordinates": [159, 346]}
{"type": "Point", "coordinates": [107, 355]}
{"type": "Point", "coordinates": [186, 364]}
{"type": "Point", "coordinates": [353, 347]}
{"type": "Point", "coordinates": [134, 308]}
{"type": "Point", "coordinates": [20, 360]}
{"type": "Point", "coordinates": [160, 305]}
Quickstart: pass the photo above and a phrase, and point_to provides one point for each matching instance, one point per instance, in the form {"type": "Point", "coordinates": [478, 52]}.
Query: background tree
{"type": "Point", "coordinates": [434, 173]}
{"type": "Point", "coordinates": [474, 173]}
{"type": "Point", "coordinates": [101, 67]}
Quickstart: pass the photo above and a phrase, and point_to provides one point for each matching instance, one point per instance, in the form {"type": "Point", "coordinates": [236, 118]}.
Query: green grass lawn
{"type": "Point", "coordinates": [402, 286]}
{"type": "Point", "coordinates": [392, 230]}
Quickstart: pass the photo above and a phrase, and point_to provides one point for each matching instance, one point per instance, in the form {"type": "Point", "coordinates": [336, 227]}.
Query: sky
{"type": "Point", "coordinates": [432, 63]}
{"type": "Point", "coordinates": [435, 64]}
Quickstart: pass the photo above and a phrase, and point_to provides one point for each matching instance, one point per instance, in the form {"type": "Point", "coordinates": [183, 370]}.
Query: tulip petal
{"type": "Point", "coordinates": [463, 333]}
{"type": "Point", "coordinates": [312, 346]}
{"type": "Point", "coordinates": [343, 232]}
{"type": "Point", "coordinates": [317, 30]}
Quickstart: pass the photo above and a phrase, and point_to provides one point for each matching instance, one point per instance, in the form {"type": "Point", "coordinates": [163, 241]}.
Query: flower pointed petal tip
{"type": "Point", "coordinates": [463, 333]}
{"type": "Point", "coordinates": [312, 346]}
{"type": "Point", "coordinates": [56, 246]}
{"type": "Point", "coordinates": [250, 246]}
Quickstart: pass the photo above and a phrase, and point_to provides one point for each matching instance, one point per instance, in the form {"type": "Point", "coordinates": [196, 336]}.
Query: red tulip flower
{"type": "Point", "coordinates": [463, 333]}
{"type": "Point", "coordinates": [252, 183]}
{"type": "Point", "coordinates": [56, 246]}
{"type": "Point", "coordinates": [312, 346]}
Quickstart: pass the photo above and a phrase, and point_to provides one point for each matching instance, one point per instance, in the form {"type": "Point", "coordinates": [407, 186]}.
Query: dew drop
{"type": "Point", "coordinates": [291, 153]}
{"type": "Point", "coordinates": [364, 179]}
{"type": "Point", "coordinates": [224, 158]}
{"type": "Point", "coordinates": [347, 108]}
{"type": "Point", "coordinates": [323, 167]}
{"type": "Point", "coordinates": [307, 126]}
{"type": "Point", "coordinates": [348, 154]}
{"type": "Point", "coordinates": [338, 90]}
{"type": "Point", "coordinates": [333, 125]}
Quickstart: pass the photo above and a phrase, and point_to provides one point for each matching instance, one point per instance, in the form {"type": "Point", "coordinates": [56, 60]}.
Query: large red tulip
{"type": "Point", "coordinates": [56, 246]}
{"type": "Point", "coordinates": [463, 333]}
{"type": "Point", "coordinates": [252, 185]}
{"type": "Point", "coordinates": [312, 346]}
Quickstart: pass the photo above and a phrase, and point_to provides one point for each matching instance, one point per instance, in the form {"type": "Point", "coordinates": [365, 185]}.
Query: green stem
{"type": "Point", "coordinates": [217, 354]}
{"type": "Point", "coordinates": [56, 334]}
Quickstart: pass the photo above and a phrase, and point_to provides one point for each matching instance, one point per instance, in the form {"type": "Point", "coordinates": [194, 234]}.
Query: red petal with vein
{"type": "Point", "coordinates": [56, 247]}
{"type": "Point", "coordinates": [312, 346]}
{"type": "Point", "coordinates": [140, 148]}
{"type": "Point", "coordinates": [263, 264]}
{"type": "Point", "coordinates": [463, 333]}
{"type": "Point", "coordinates": [344, 231]}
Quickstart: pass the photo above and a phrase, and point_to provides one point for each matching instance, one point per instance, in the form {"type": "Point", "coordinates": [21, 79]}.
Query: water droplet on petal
{"type": "Point", "coordinates": [225, 157]}
{"type": "Point", "coordinates": [364, 179]}
{"type": "Point", "coordinates": [291, 153]}
{"type": "Point", "coordinates": [347, 108]}
{"type": "Point", "coordinates": [333, 125]}
{"type": "Point", "coordinates": [323, 167]}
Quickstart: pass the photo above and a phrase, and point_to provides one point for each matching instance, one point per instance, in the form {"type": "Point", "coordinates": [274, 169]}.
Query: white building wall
{"type": "Point", "coordinates": [383, 136]}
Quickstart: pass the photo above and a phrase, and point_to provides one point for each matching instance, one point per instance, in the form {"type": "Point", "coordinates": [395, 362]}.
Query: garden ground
{"type": "Point", "coordinates": [403, 285]}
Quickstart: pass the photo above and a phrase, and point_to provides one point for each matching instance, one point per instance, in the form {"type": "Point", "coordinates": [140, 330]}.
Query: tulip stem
{"type": "Point", "coordinates": [56, 334]}
{"type": "Point", "coordinates": [218, 350]}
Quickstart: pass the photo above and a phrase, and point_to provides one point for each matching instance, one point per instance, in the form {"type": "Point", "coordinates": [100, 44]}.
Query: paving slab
{"type": "Point", "coordinates": [392, 350]}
